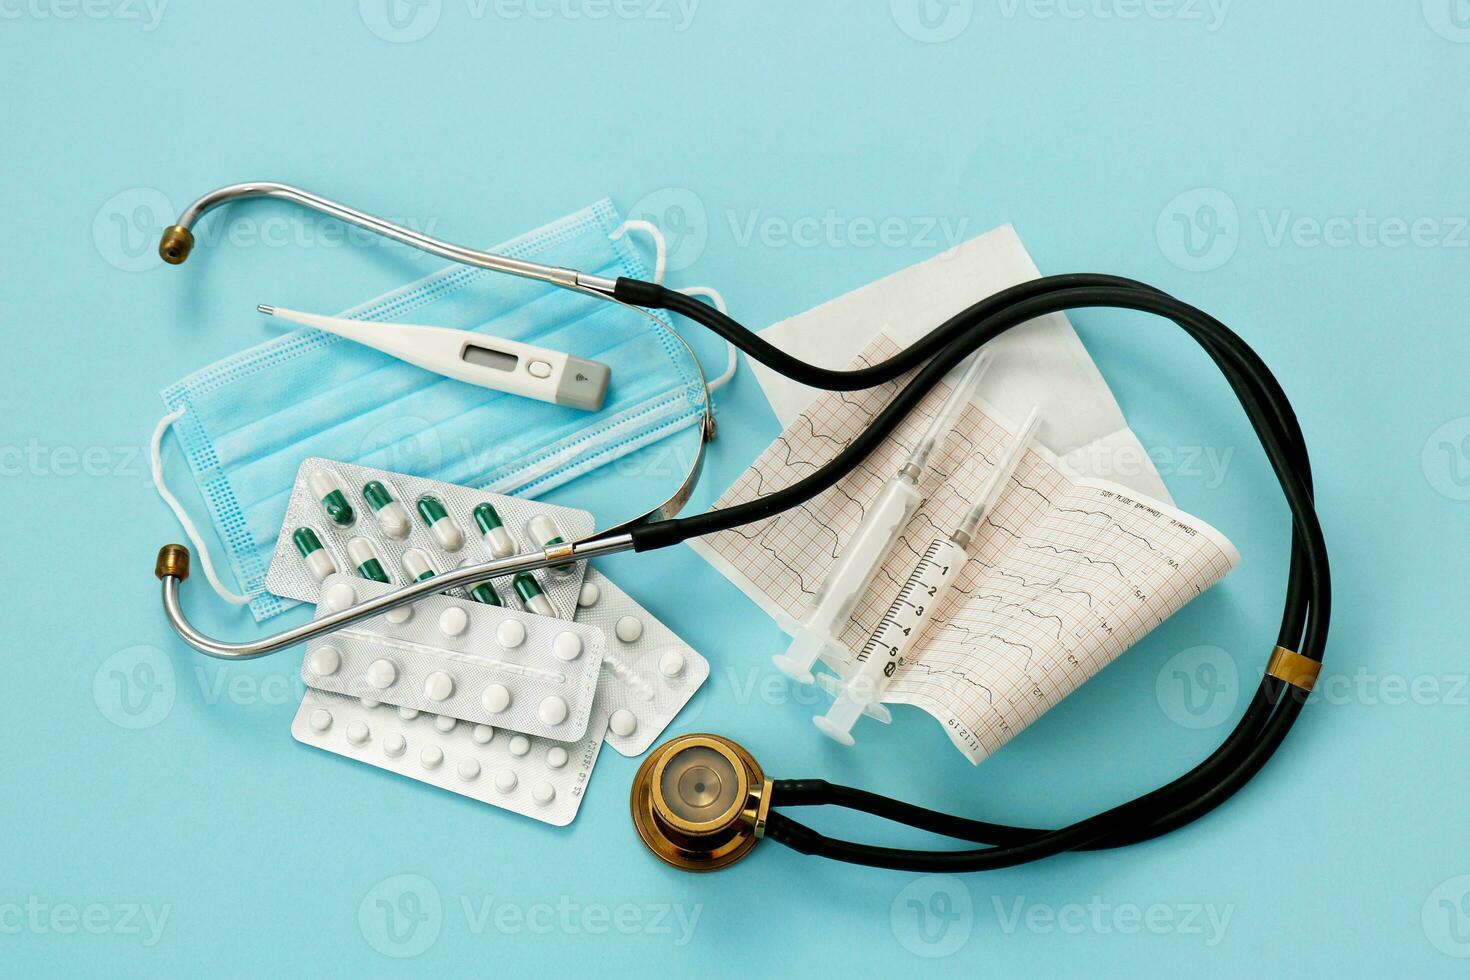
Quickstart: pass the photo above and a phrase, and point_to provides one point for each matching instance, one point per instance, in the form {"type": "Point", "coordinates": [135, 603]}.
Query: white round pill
{"type": "Point", "coordinates": [543, 793]}
{"type": "Point", "coordinates": [339, 595]}
{"type": "Point", "coordinates": [671, 664]}
{"type": "Point", "coordinates": [431, 756]}
{"type": "Point", "coordinates": [519, 746]}
{"type": "Point", "coordinates": [438, 686]}
{"type": "Point", "coordinates": [399, 616]}
{"type": "Point", "coordinates": [468, 769]}
{"type": "Point", "coordinates": [505, 780]}
{"type": "Point", "coordinates": [589, 595]}
{"type": "Point", "coordinates": [324, 661]}
{"type": "Point", "coordinates": [623, 722]}
{"type": "Point", "coordinates": [511, 633]}
{"type": "Point", "coordinates": [444, 723]}
{"type": "Point", "coordinates": [368, 702]}
{"type": "Point", "coordinates": [408, 714]}
{"type": "Point", "coordinates": [495, 698]}
{"type": "Point", "coordinates": [482, 734]}
{"type": "Point", "coordinates": [382, 673]}
{"type": "Point", "coordinates": [320, 720]}
{"type": "Point", "coordinates": [453, 621]}
{"type": "Point", "coordinates": [567, 646]}
{"type": "Point", "coordinates": [357, 733]}
{"type": "Point", "coordinates": [553, 711]}
{"type": "Point", "coordinates": [556, 757]}
{"type": "Point", "coordinates": [629, 628]}
{"type": "Point", "coordinates": [394, 745]}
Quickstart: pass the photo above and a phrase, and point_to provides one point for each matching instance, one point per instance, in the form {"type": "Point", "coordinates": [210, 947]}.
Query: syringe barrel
{"type": "Point", "coordinates": [905, 621]}
{"type": "Point", "coordinates": [858, 562]}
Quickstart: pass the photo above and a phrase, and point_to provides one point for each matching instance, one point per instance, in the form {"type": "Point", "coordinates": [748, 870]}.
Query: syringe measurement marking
{"type": "Point", "coordinates": [914, 603]}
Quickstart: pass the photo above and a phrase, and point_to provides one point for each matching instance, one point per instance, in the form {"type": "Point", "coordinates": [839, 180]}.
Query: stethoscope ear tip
{"type": "Point", "coordinates": [173, 562]}
{"type": "Point", "coordinates": [699, 802]}
{"type": "Point", "coordinates": [175, 244]}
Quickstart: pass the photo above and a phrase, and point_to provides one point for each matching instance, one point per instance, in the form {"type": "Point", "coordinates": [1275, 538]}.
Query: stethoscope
{"type": "Point", "coordinates": [701, 802]}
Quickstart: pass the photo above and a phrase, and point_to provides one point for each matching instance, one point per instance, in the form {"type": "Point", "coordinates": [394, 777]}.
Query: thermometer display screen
{"type": "Point", "coordinates": [490, 358]}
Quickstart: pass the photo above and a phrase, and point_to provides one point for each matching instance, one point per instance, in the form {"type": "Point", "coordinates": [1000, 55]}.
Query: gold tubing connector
{"type": "Point", "coordinates": [176, 244]}
{"type": "Point", "coordinates": [560, 552]}
{"type": "Point", "coordinates": [1289, 666]}
{"type": "Point", "coordinates": [173, 559]}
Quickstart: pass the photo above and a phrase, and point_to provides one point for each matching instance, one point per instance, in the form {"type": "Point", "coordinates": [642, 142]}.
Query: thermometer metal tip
{"type": "Point", "coordinates": [267, 310]}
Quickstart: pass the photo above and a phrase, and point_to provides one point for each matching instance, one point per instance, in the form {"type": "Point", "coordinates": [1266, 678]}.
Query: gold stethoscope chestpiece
{"type": "Point", "coordinates": [700, 802]}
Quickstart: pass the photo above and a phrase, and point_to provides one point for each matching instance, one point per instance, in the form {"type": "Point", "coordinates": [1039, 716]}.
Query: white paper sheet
{"type": "Point", "coordinates": [1042, 363]}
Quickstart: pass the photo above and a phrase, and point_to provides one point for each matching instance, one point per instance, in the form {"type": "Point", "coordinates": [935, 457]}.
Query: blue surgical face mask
{"type": "Point", "coordinates": [247, 422]}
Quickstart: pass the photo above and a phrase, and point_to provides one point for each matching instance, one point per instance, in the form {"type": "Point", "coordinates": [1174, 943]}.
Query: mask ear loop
{"type": "Point", "coordinates": [660, 266]}
{"type": "Point", "coordinates": [155, 455]}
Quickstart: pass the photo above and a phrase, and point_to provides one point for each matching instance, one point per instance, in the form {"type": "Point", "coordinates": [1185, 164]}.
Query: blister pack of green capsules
{"type": "Point", "coordinates": [397, 529]}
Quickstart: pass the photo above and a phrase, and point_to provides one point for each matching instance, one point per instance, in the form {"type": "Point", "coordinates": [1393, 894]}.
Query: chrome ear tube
{"type": "Point", "coordinates": [172, 568]}
{"type": "Point", "coordinates": [178, 239]}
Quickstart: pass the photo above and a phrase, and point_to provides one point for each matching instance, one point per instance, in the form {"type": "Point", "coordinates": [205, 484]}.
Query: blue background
{"type": "Point", "coordinates": [1164, 142]}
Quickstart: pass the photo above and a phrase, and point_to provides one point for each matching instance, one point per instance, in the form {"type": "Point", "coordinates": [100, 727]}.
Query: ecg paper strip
{"type": "Point", "coordinates": [1065, 575]}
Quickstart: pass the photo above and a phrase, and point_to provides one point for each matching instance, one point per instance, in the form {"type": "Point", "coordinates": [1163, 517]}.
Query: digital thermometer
{"type": "Point", "coordinates": [474, 358]}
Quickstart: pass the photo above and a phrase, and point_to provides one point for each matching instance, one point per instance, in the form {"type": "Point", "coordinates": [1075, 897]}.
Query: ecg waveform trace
{"type": "Point", "coordinates": [1064, 577]}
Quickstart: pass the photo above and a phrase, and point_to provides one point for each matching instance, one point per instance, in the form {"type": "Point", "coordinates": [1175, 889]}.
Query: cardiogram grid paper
{"type": "Point", "coordinates": [1064, 576]}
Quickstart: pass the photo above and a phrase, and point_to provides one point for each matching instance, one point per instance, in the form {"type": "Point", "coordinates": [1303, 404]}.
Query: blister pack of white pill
{"type": "Point", "coordinates": [648, 673]}
{"type": "Point", "coordinates": [537, 777]}
{"type": "Point", "coordinates": [466, 660]}
{"type": "Point", "coordinates": [396, 529]}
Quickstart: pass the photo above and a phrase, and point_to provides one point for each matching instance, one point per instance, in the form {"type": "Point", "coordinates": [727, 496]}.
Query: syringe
{"type": "Point", "coordinates": [821, 625]}
{"type": "Point", "coordinates": [904, 622]}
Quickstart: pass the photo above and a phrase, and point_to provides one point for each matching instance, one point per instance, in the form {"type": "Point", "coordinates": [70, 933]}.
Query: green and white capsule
{"type": "Point", "coordinates": [365, 557]}
{"type": "Point", "coordinates": [531, 595]}
{"type": "Point", "coordinates": [446, 533]}
{"type": "Point", "coordinates": [497, 538]}
{"type": "Point", "coordinates": [392, 516]}
{"type": "Point", "coordinates": [417, 565]}
{"type": "Point", "coordinates": [546, 534]}
{"type": "Point", "coordinates": [485, 592]}
{"type": "Point", "coordinates": [333, 500]}
{"type": "Point", "coordinates": [318, 562]}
